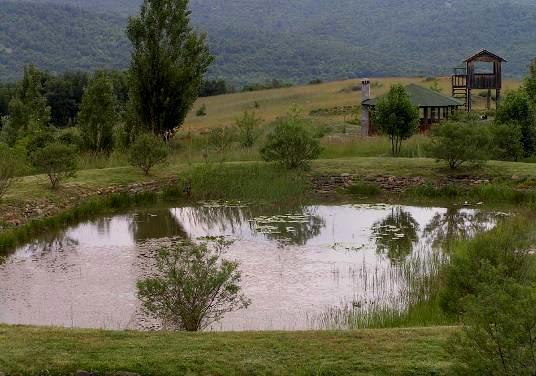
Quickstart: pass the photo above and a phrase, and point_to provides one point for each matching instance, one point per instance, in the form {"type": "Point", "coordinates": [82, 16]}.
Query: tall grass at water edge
{"type": "Point", "coordinates": [404, 296]}
{"type": "Point", "coordinates": [487, 193]}
{"type": "Point", "coordinates": [251, 182]}
{"type": "Point", "coordinates": [421, 280]}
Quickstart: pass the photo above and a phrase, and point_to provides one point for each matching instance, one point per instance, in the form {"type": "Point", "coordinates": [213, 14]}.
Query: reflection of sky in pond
{"type": "Point", "coordinates": [85, 275]}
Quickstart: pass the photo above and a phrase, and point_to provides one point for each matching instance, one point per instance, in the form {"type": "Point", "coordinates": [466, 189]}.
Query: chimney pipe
{"type": "Point", "coordinates": [365, 115]}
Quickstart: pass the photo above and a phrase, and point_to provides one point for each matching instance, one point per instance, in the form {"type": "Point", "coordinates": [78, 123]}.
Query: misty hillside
{"type": "Point", "coordinates": [300, 40]}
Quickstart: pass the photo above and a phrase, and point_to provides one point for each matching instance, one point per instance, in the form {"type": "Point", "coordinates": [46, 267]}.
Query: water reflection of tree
{"type": "Point", "coordinates": [456, 224]}
{"type": "Point", "coordinates": [230, 220]}
{"type": "Point", "coordinates": [227, 219]}
{"type": "Point", "coordinates": [155, 224]}
{"type": "Point", "coordinates": [297, 233]}
{"type": "Point", "coordinates": [388, 234]}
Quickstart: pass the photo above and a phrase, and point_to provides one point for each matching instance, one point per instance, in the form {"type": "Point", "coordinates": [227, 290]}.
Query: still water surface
{"type": "Point", "coordinates": [295, 263]}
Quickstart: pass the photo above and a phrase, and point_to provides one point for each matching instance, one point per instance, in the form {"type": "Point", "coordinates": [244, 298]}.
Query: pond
{"type": "Point", "coordinates": [295, 263]}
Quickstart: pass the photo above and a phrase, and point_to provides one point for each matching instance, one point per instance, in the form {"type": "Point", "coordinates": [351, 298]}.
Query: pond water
{"type": "Point", "coordinates": [295, 263]}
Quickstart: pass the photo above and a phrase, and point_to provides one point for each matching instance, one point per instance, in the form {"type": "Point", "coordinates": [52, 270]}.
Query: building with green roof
{"type": "Point", "coordinates": [433, 106]}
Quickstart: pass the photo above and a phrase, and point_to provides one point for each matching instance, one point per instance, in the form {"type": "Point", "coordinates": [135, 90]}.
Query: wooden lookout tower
{"type": "Point", "coordinates": [482, 71]}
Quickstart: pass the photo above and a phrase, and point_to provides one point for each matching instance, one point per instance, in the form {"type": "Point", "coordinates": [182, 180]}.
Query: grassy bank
{"type": "Point", "coordinates": [34, 187]}
{"type": "Point", "coordinates": [50, 225]}
{"type": "Point", "coordinates": [246, 182]}
{"type": "Point", "coordinates": [30, 350]}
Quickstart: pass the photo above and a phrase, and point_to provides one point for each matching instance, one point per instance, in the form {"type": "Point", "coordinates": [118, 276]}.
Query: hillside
{"type": "Point", "coordinates": [328, 103]}
{"type": "Point", "coordinates": [255, 40]}
{"type": "Point", "coordinates": [58, 38]}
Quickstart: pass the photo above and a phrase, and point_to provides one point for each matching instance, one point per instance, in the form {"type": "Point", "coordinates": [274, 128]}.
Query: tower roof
{"type": "Point", "coordinates": [484, 55]}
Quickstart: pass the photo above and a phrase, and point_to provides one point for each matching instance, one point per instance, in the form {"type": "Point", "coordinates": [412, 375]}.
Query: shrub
{"type": "Point", "coordinates": [248, 128]}
{"type": "Point", "coordinates": [194, 288]}
{"type": "Point", "coordinates": [498, 254]}
{"type": "Point", "coordinates": [507, 143]}
{"type": "Point", "coordinates": [147, 151]}
{"type": "Point", "coordinates": [499, 332]}
{"type": "Point", "coordinates": [8, 132]}
{"type": "Point", "coordinates": [38, 141]}
{"type": "Point", "coordinates": [459, 143]}
{"type": "Point", "coordinates": [291, 144]}
{"type": "Point", "coordinates": [202, 111]}
{"type": "Point", "coordinates": [221, 139]}
{"type": "Point", "coordinates": [8, 169]}
{"type": "Point", "coordinates": [364, 189]}
{"type": "Point", "coordinates": [70, 136]}
{"type": "Point", "coordinates": [57, 161]}
{"type": "Point", "coordinates": [396, 117]}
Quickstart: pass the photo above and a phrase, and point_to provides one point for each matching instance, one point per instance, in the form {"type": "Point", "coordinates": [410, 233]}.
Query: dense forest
{"type": "Point", "coordinates": [298, 41]}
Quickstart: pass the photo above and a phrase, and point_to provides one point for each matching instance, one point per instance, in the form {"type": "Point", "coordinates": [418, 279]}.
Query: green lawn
{"type": "Point", "coordinates": [420, 351]}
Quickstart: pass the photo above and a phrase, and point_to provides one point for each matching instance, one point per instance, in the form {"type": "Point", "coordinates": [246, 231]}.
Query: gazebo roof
{"type": "Point", "coordinates": [485, 55]}
{"type": "Point", "coordinates": [423, 97]}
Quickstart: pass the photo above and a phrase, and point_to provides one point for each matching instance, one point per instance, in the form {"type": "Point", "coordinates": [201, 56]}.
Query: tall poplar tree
{"type": "Point", "coordinates": [169, 60]}
{"type": "Point", "coordinates": [98, 114]}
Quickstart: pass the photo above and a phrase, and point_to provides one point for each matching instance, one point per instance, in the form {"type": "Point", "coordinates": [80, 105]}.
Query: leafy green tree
{"type": "Point", "coordinates": [64, 95]}
{"type": "Point", "coordinates": [459, 143]}
{"type": "Point", "coordinates": [56, 160]}
{"type": "Point", "coordinates": [499, 331]}
{"type": "Point", "coordinates": [98, 114]}
{"type": "Point", "coordinates": [530, 83]}
{"type": "Point", "coordinates": [28, 110]}
{"type": "Point", "coordinates": [248, 126]}
{"type": "Point", "coordinates": [291, 144]}
{"type": "Point", "coordinates": [195, 287]}
{"type": "Point", "coordinates": [147, 151]}
{"type": "Point", "coordinates": [517, 108]}
{"type": "Point", "coordinates": [32, 97]}
{"type": "Point", "coordinates": [8, 169]}
{"type": "Point", "coordinates": [169, 60]}
{"type": "Point", "coordinates": [396, 117]}
{"type": "Point", "coordinates": [9, 133]}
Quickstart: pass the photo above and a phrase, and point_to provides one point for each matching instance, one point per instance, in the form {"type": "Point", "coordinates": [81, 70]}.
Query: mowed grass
{"type": "Point", "coordinates": [52, 351]}
{"type": "Point", "coordinates": [223, 110]}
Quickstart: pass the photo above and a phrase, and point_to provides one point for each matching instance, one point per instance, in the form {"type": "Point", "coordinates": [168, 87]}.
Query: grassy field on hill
{"type": "Point", "coordinates": [224, 109]}
{"type": "Point", "coordinates": [30, 350]}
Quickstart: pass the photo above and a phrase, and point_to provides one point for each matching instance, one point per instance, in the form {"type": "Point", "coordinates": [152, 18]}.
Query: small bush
{"type": "Point", "coordinates": [459, 143]}
{"type": "Point", "coordinates": [195, 286]}
{"type": "Point", "coordinates": [70, 136]}
{"type": "Point", "coordinates": [147, 151]}
{"type": "Point", "coordinates": [364, 189]}
{"type": "Point", "coordinates": [248, 126]}
{"type": "Point", "coordinates": [202, 111]}
{"type": "Point", "coordinates": [498, 254]}
{"type": "Point", "coordinates": [291, 144]}
{"type": "Point", "coordinates": [222, 139]}
{"type": "Point", "coordinates": [57, 161]}
{"type": "Point", "coordinates": [507, 143]}
{"type": "Point", "coordinates": [498, 335]}
{"type": "Point", "coordinates": [38, 141]}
